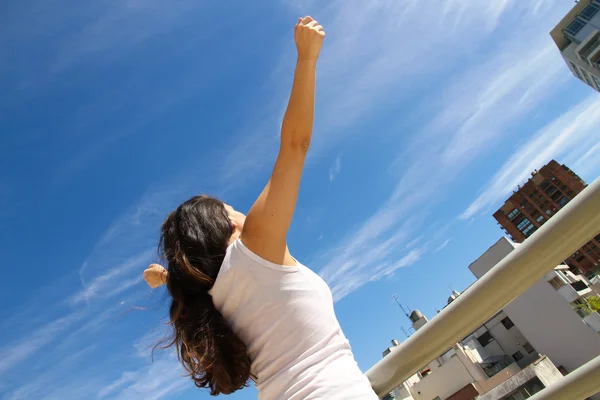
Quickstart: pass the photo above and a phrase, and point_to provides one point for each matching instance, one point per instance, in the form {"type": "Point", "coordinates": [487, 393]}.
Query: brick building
{"type": "Point", "coordinates": [532, 204]}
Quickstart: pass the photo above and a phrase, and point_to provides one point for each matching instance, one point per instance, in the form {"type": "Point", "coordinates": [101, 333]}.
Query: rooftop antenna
{"type": "Point", "coordinates": [403, 310]}
{"type": "Point", "coordinates": [405, 333]}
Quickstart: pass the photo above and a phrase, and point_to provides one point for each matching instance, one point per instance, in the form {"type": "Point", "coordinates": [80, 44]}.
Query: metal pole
{"type": "Point", "coordinates": [578, 385]}
{"type": "Point", "coordinates": [572, 227]}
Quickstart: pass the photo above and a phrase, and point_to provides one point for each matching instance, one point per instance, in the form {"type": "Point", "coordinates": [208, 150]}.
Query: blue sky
{"type": "Point", "coordinates": [114, 111]}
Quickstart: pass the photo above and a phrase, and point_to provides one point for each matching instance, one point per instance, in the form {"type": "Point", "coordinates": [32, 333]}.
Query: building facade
{"type": "Point", "coordinates": [577, 36]}
{"type": "Point", "coordinates": [551, 314]}
{"type": "Point", "coordinates": [494, 361]}
{"type": "Point", "coordinates": [538, 200]}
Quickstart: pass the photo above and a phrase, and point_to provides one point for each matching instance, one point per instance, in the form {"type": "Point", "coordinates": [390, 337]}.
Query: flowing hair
{"type": "Point", "coordinates": [194, 240]}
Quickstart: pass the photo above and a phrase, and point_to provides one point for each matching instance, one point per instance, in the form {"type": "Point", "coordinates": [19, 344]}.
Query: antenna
{"type": "Point", "coordinates": [405, 333]}
{"type": "Point", "coordinates": [403, 310]}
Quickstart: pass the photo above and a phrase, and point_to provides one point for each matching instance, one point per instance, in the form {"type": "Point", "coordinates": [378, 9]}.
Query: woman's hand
{"type": "Point", "coordinates": [155, 275]}
{"type": "Point", "coordinates": [308, 35]}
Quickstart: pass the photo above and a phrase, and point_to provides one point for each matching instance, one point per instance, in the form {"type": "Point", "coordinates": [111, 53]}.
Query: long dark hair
{"type": "Point", "coordinates": [193, 241]}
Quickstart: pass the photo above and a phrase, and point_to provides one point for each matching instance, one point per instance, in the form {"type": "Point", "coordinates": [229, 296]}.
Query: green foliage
{"type": "Point", "coordinates": [594, 302]}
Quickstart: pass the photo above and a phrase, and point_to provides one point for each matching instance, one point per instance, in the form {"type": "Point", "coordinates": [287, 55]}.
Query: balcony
{"type": "Point", "coordinates": [495, 364]}
{"type": "Point", "coordinates": [593, 321]}
{"type": "Point", "coordinates": [554, 242]}
{"type": "Point", "coordinates": [571, 293]}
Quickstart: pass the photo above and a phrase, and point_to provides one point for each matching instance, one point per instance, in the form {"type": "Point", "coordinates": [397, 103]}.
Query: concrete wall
{"type": "Point", "coordinates": [544, 317]}
{"type": "Point", "coordinates": [444, 382]}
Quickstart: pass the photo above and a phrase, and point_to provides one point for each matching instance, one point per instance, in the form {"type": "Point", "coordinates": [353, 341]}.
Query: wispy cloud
{"type": "Point", "coordinates": [443, 245]}
{"type": "Point", "coordinates": [335, 168]}
{"type": "Point", "coordinates": [572, 136]}
{"type": "Point", "coordinates": [163, 377]}
{"type": "Point", "coordinates": [465, 125]}
{"type": "Point", "coordinates": [110, 282]}
{"type": "Point", "coordinates": [14, 353]}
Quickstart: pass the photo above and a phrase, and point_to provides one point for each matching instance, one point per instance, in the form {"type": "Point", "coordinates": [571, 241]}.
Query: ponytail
{"type": "Point", "coordinates": [194, 240]}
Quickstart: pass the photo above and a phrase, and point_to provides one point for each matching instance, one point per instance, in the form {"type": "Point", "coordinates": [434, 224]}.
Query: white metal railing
{"type": "Point", "coordinates": [578, 385]}
{"type": "Point", "coordinates": [572, 227]}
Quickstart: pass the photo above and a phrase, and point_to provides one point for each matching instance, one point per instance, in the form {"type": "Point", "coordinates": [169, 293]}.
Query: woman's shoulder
{"type": "Point", "coordinates": [238, 254]}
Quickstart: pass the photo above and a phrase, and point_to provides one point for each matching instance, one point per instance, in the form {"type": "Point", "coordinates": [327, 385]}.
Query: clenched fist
{"type": "Point", "coordinates": [308, 35]}
{"type": "Point", "coordinates": [155, 275]}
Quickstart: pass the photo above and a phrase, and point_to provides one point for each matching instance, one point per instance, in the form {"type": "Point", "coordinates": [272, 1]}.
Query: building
{"type": "Point", "coordinates": [493, 362]}
{"type": "Point", "coordinates": [577, 37]}
{"type": "Point", "coordinates": [551, 314]}
{"type": "Point", "coordinates": [538, 200]}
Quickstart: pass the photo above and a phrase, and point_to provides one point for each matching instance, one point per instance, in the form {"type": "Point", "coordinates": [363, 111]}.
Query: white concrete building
{"type": "Point", "coordinates": [577, 36]}
{"type": "Point", "coordinates": [551, 314]}
{"type": "Point", "coordinates": [495, 360]}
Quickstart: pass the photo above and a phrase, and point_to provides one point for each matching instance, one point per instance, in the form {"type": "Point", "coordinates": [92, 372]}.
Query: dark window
{"type": "Point", "coordinates": [579, 259]}
{"type": "Point", "coordinates": [570, 193]}
{"type": "Point", "coordinates": [507, 323]}
{"type": "Point", "coordinates": [563, 200]}
{"type": "Point", "coordinates": [589, 11]}
{"type": "Point", "coordinates": [517, 356]}
{"type": "Point", "coordinates": [529, 230]}
{"type": "Point", "coordinates": [574, 27]}
{"type": "Point", "coordinates": [528, 348]}
{"type": "Point", "coordinates": [485, 339]}
{"type": "Point", "coordinates": [544, 185]}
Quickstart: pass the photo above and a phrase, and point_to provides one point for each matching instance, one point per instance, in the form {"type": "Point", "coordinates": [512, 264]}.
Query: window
{"type": "Point", "coordinates": [574, 27]}
{"type": "Point", "coordinates": [563, 200]}
{"type": "Point", "coordinates": [485, 339]}
{"type": "Point", "coordinates": [507, 323]}
{"type": "Point", "coordinates": [528, 348]}
{"type": "Point", "coordinates": [596, 81]}
{"type": "Point", "coordinates": [576, 70]}
{"type": "Point", "coordinates": [544, 185]}
{"type": "Point", "coordinates": [556, 283]}
{"type": "Point", "coordinates": [540, 219]}
{"type": "Point", "coordinates": [524, 222]}
{"type": "Point", "coordinates": [548, 212]}
{"type": "Point", "coordinates": [589, 11]}
{"type": "Point", "coordinates": [517, 356]}
{"type": "Point", "coordinates": [529, 230]}
{"type": "Point", "coordinates": [511, 215]}
{"type": "Point", "coordinates": [587, 77]}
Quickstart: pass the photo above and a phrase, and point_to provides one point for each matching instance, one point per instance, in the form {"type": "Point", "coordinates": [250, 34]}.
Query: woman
{"type": "Point", "coordinates": [242, 307]}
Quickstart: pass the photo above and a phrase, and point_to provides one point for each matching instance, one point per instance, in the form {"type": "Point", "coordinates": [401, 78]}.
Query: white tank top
{"type": "Point", "coordinates": [285, 316]}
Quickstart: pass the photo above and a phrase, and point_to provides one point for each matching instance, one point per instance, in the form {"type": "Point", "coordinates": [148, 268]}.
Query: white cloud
{"type": "Point", "coordinates": [111, 281]}
{"type": "Point", "coordinates": [516, 77]}
{"type": "Point", "coordinates": [163, 377]}
{"type": "Point", "coordinates": [335, 168]}
{"type": "Point", "coordinates": [566, 137]}
{"type": "Point", "coordinates": [443, 245]}
{"type": "Point", "coordinates": [14, 353]}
